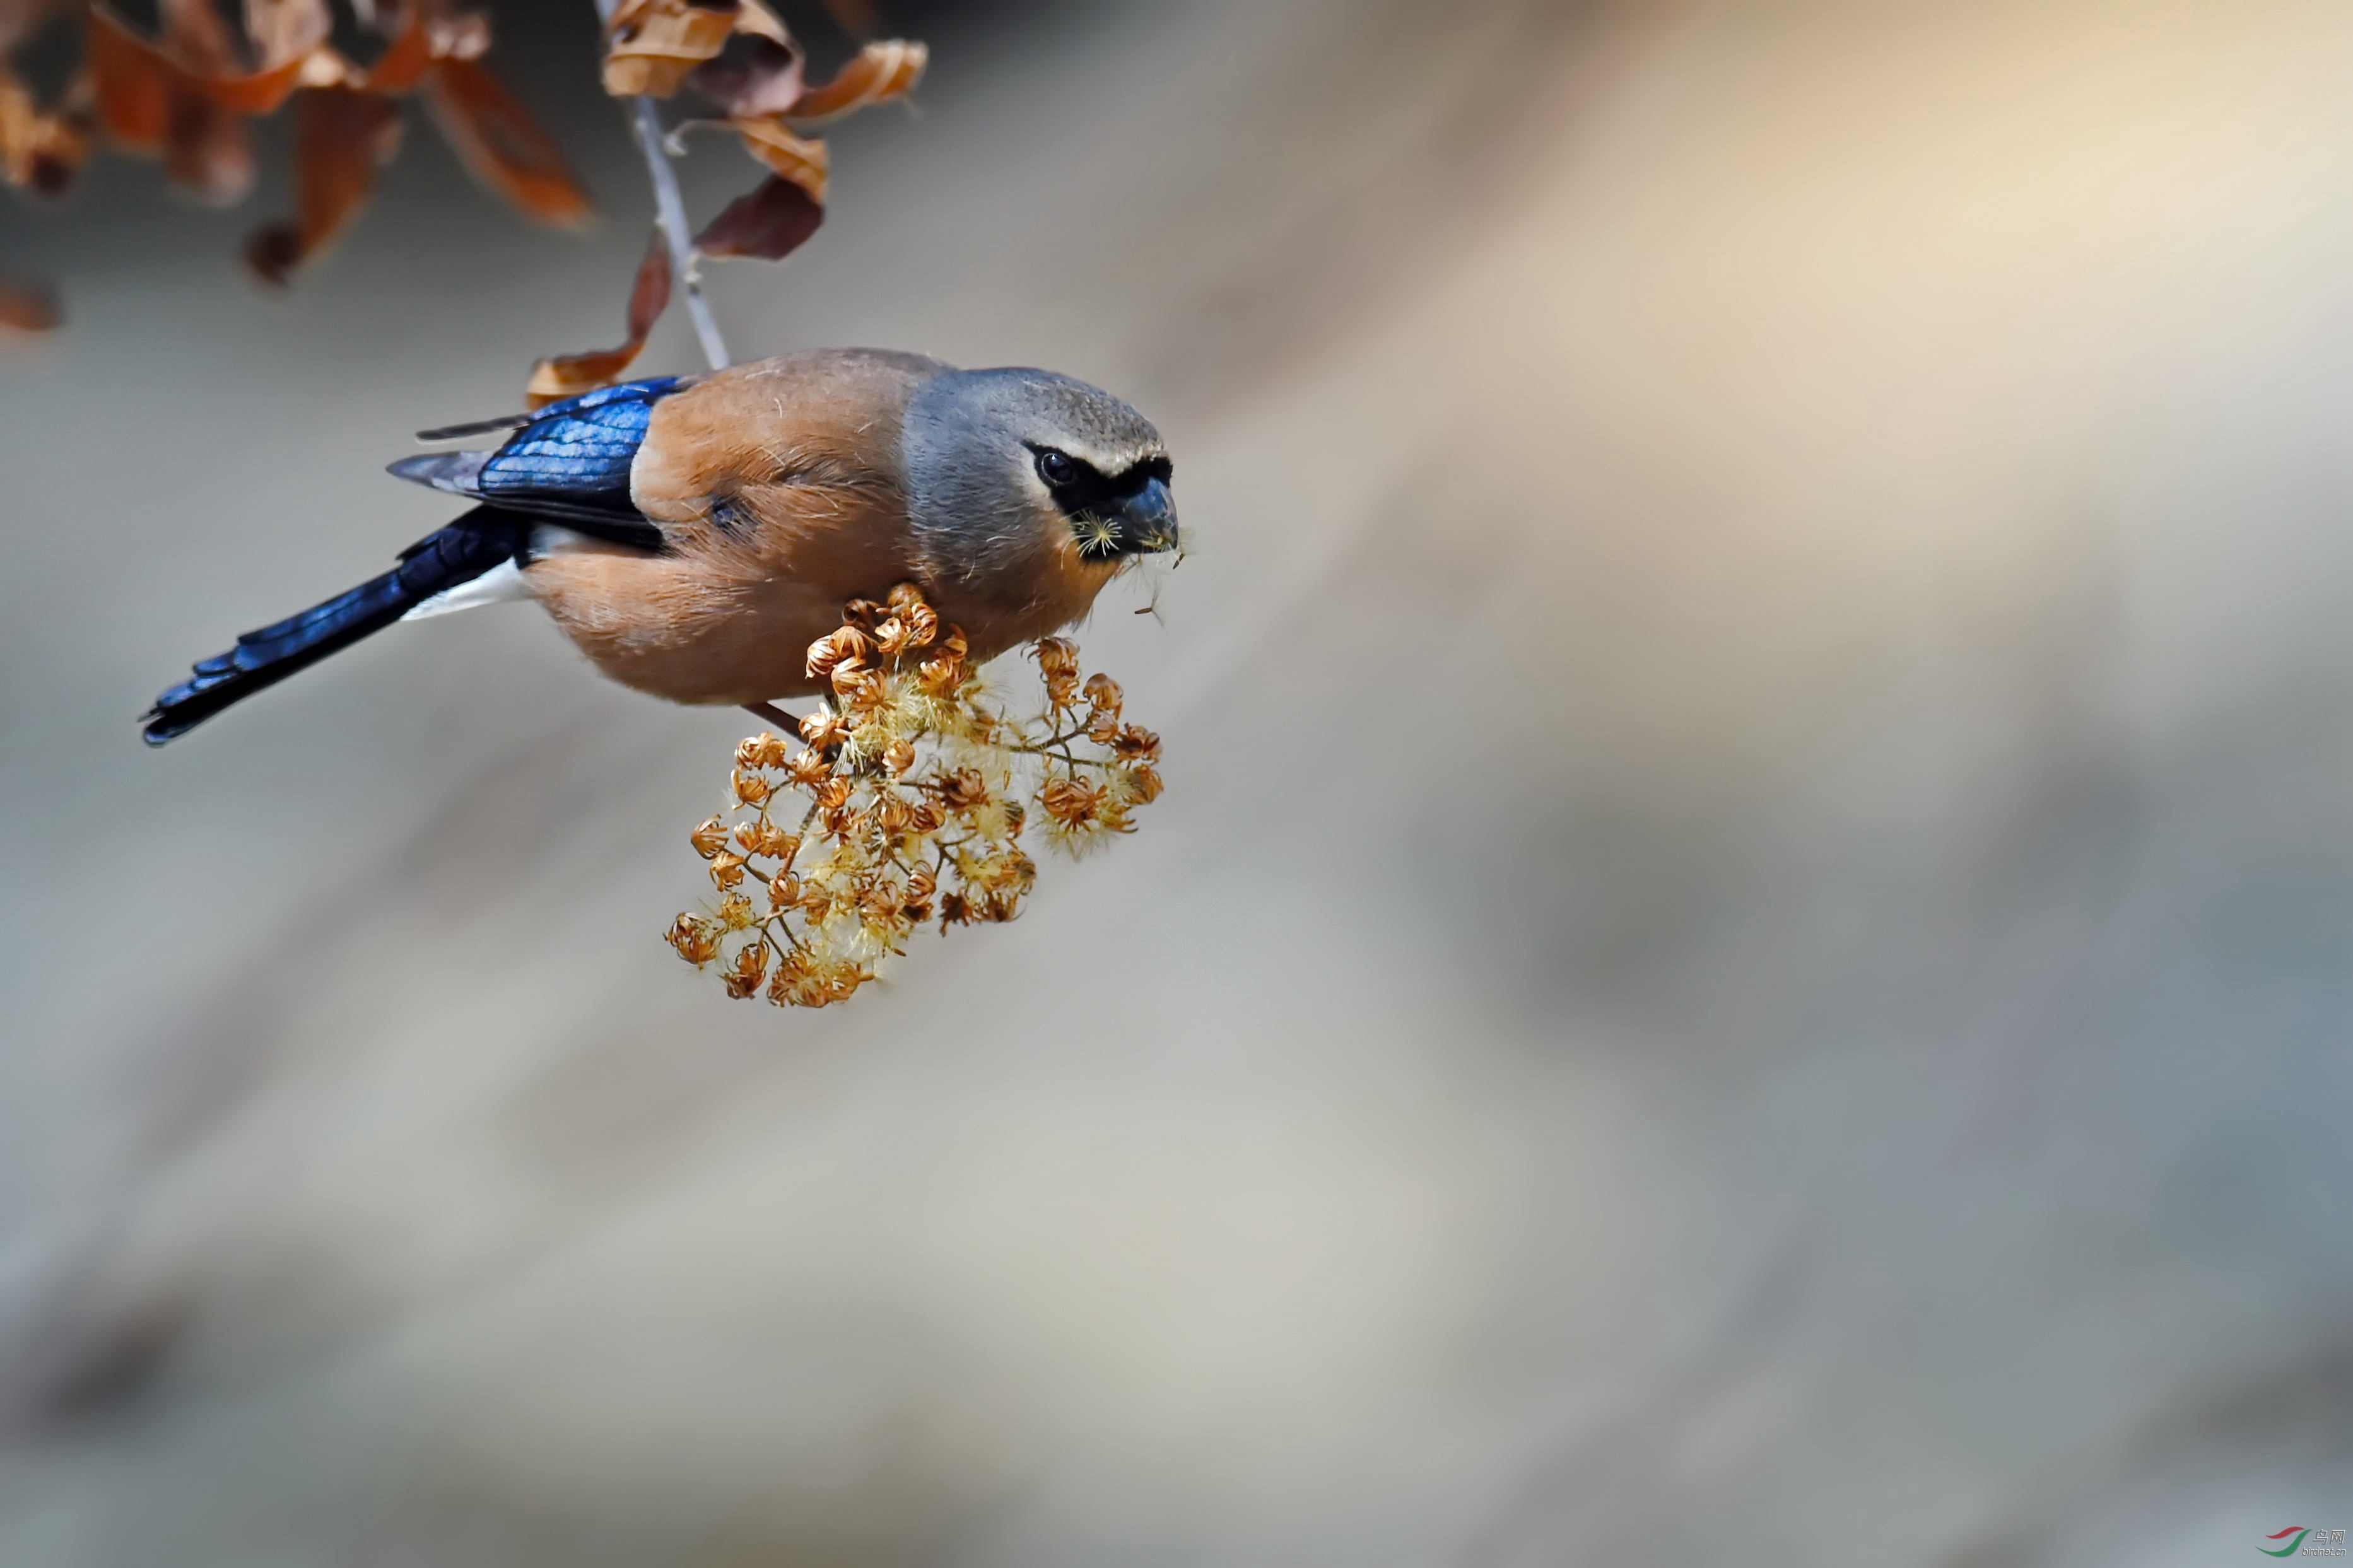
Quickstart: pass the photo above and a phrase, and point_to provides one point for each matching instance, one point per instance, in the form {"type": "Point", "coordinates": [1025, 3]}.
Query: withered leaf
{"type": "Point", "coordinates": [856, 17]}
{"type": "Point", "coordinates": [802, 160]}
{"type": "Point", "coordinates": [27, 306]}
{"type": "Point", "coordinates": [651, 45]}
{"type": "Point", "coordinates": [207, 151]}
{"type": "Point", "coordinates": [568, 376]}
{"type": "Point", "coordinates": [284, 30]}
{"type": "Point", "coordinates": [880, 72]}
{"type": "Point", "coordinates": [38, 152]}
{"type": "Point", "coordinates": [769, 222]}
{"type": "Point", "coordinates": [402, 64]}
{"type": "Point", "coordinates": [262, 91]}
{"type": "Point", "coordinates": [132, 83]}
{"type": "Point", "coordinates": [753, 17]}
{"type": "Point", "coordinates": [195, 37]}
{"type": "Point", "coordinates": [150, 101]}
{"type": "Point", "coordinates": [756, 75]}
{"type": "Point", "coordinates": [341, 136]}
{"type": "Point", "coordinates": [457, 34]}
{"type": "Point", "coordinates": [20, 19]}
{"type": "Point", "coordinates": [500, 142]}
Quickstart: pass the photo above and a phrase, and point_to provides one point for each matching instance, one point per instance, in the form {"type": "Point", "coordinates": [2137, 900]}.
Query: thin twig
{"type": "Point", "coordinates": [774, 715]}
{"type": "Point", "coordinates": [671, 207]}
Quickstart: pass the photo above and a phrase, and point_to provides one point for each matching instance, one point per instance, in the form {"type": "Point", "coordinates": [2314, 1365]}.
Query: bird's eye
{"type": "Point", "coordinates": [1055, 468]}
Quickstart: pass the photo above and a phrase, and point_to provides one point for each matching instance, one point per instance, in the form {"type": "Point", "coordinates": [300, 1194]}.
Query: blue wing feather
{"type": "Point", "coordinates": [579, 450]}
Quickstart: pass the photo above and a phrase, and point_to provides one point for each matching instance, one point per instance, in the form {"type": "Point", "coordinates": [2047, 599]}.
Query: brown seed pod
{"type": "Point", "coordinates": [744, 976]}
{"type": "Point", "coordinates": [1102, 692]}
{"type": "Point", "coordinates": [726, 869]}
{"type": "Point", "coordinates": [823, 728]}
{"type": "Point", "coordinates": [710, 838]}
{"type": "Point", "coordinates": [898, 757]}
{"type": "Point", "coordinates": [846, 644]}
{"type": "Point", "coordinates": [696, 938]}
{"type": "Point", "coordinates": [736, 911]}
{"type": "Point", "coordinates": [751, 788]}
{"type": "Point", "coordinates": [1069, 801]}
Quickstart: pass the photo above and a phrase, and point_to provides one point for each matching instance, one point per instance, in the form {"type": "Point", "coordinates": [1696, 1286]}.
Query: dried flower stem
{"type": "Point", "coordinates": [671, 207]}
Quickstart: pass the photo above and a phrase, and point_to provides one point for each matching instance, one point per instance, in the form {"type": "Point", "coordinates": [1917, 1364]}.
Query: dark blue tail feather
{"type": "Point", "coordinates": [457, 554]}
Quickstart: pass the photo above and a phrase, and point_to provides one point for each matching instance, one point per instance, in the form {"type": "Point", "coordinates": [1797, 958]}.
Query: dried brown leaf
{"type": "Point", "coordinates": [500, 142]}
{"type": "Point", "coordinates": [284, 30]}
{"type": "Point", "coordinates": [262, 91]}
{"type": "Point", "coordinates": [131, 81]}
{"type": "Point", "coordinates": [858, 18]}
{"type": "Point", "coordinates": [39, 151]}
{"type": "Point", "coordinates": [20, 19]}
{"type": "Point", "coordinates": [341, 136]}
{"type": "Point", "coordinates": [754, 76]}
{"type": "Point", "coordinates": [28, 306]}
{"type": "Point", "coordinates": [769, 222]}
{"type": "Point", "coordinates": [151, 98]}
{"type": "Point", "coordinates": [803, 159]}
{"type": "Point", "coordinates": [402, 64]}
{"type": "Point", "coordinates": [193, 34]}
{"type": "Point", "coordinates": [754, 17]}
{"type": "Point", "coordinates": [568, 376]}
{"type": "Point", "coordinates": [207, 151]}
{"type": "Point", "coordinates": [651, 45]}
{"type": "Point", "coordinates": [881, 71]}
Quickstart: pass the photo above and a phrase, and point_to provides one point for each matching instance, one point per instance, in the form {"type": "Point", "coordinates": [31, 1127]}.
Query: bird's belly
{"type": "Point", "coordinates": [693, 630]}
{"type": "Point", "coordinates": [673, 629]}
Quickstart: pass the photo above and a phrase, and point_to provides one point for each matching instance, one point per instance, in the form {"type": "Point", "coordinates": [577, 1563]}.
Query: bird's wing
{"type": "Point", "coordinates": [569, 461]}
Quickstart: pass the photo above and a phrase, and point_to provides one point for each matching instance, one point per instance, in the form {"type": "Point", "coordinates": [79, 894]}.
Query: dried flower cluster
{"type": "Point", "coordinates": [907, 802]}
{"type": "Point", "coordinates": [185, 95]}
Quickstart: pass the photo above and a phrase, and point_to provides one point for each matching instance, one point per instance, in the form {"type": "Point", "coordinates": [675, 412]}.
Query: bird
{"type": "Point", "coordinates": [692, 535]}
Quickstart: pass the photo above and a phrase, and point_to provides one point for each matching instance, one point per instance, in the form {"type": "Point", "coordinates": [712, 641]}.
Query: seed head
{"type": "Point", "coordinates": [917, 786]}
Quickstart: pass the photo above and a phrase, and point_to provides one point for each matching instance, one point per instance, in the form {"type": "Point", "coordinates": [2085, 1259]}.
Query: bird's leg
{"type": "Point", "coordinates": [774, 715]}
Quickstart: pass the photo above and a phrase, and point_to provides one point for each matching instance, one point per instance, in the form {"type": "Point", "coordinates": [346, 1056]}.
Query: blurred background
{"type": "Point", "coordinates": [1748, 957]}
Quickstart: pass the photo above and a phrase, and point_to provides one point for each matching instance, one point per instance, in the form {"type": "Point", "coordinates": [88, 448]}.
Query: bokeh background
{"type": "Point", "coordinates": [1748, 958]}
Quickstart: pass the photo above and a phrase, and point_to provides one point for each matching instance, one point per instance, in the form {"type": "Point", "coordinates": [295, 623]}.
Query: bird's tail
{"type": "Point", "coordinates": [463, 550]}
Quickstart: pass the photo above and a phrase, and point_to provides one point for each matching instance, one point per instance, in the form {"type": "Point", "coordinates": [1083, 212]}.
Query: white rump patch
{"type": "Point", "coordinates": [500, 584]}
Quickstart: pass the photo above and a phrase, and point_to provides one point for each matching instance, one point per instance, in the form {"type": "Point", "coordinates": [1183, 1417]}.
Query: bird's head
{"type": "Point", "coordinates": [1004, 461]}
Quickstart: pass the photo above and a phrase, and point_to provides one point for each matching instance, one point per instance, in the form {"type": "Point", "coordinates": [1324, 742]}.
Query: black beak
{"type": "Point", "coordinates": [1147, 520]}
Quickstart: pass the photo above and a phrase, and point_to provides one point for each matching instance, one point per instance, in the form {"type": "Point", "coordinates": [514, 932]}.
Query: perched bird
{"type": "Point", "coordinates": [692, 535]}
